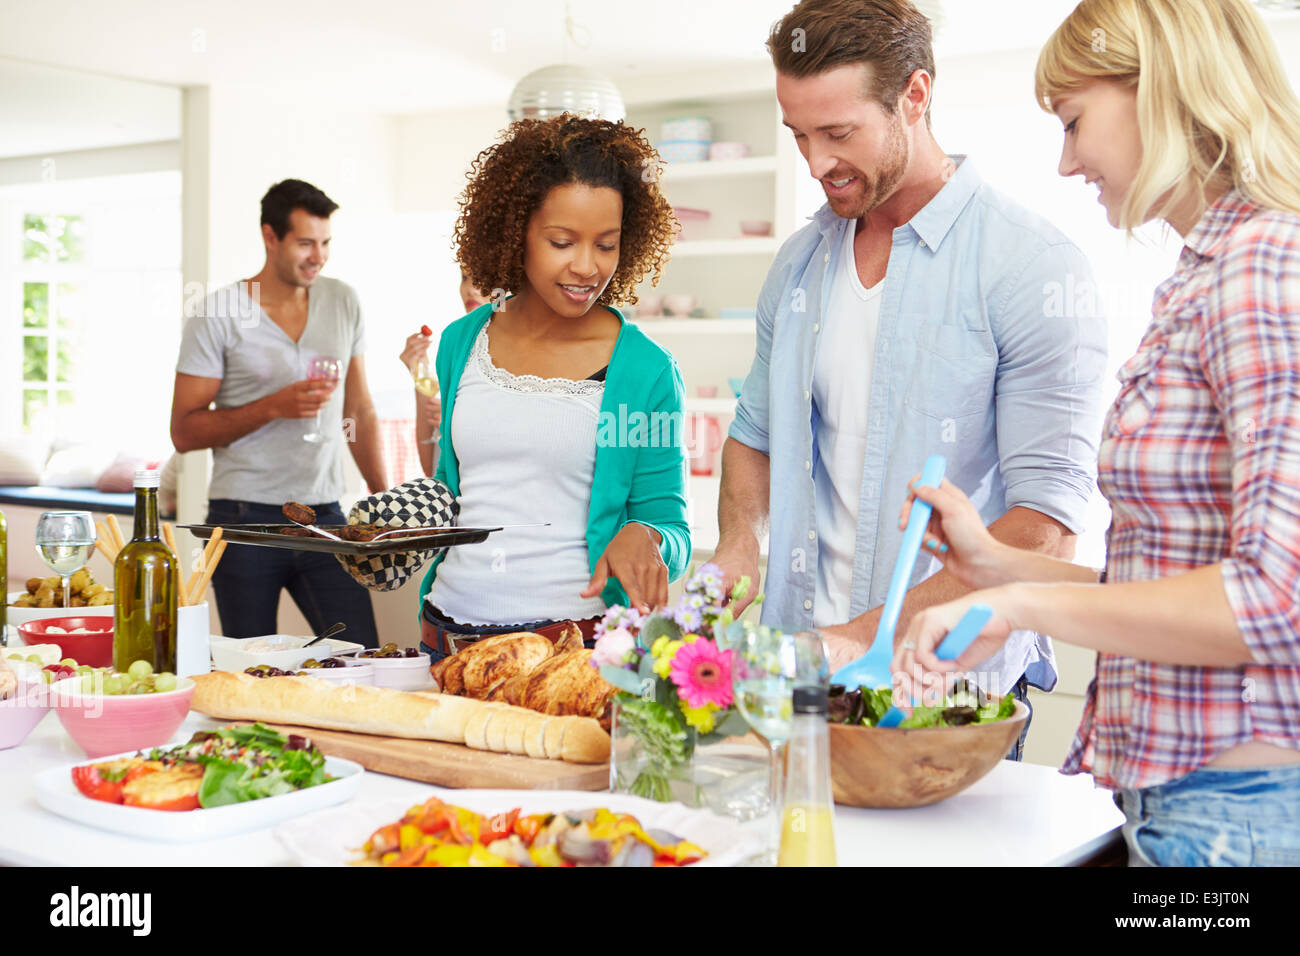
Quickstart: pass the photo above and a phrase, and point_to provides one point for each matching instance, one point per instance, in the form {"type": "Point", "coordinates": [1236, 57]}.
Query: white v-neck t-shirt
{"type": "Point", "coordinates": [841, 389]}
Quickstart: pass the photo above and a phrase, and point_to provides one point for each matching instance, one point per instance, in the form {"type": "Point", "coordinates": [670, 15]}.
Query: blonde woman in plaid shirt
{"type": "Point", "coordinates": [1178, 110]}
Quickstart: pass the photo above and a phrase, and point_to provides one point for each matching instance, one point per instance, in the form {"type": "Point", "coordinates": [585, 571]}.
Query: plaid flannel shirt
{"type": "Point", "coordinates": [1200, 460]}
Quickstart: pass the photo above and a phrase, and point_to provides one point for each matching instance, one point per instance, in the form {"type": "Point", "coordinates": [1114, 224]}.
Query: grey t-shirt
{"type": "Point", "coordinates": [234, 340]}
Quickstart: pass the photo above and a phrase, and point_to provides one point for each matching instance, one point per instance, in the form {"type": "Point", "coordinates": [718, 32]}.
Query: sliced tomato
{"type": "Point", "coordinates": [173, 789]}
{"type": "Point", "coordinates": [435, 819]}
{"type": "Point", "coordinates": [91, 783]}
{"type": "Point", "coordinates": [499, 827]}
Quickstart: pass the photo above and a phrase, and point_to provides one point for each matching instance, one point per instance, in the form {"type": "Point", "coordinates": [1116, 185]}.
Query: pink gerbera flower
{"type": "Point", "coordinates": [702, 674]}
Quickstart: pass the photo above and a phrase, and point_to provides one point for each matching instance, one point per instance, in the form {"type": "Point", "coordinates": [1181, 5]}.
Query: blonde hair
{"type": "Point", "coordinates": [1213, 103]}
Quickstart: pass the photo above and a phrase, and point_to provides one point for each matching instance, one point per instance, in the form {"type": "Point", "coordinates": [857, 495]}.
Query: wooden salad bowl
{"type": "Point", "coordinates": [874, 767]}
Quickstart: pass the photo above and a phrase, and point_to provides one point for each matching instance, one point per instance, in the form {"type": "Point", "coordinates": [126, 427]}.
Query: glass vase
{"type": "Point", "coordinates": [728, 776]}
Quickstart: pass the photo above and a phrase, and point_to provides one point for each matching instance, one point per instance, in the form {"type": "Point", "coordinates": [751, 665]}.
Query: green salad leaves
{"type": "Point", "coordinates": [965, 705]}
{"type": "Point", "coordinates": [248, 763]}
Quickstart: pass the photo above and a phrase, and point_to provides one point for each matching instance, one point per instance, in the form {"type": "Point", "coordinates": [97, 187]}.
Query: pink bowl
{"type": "Point", "coordinates": [20, 714]}
{"type": "Point", "coordinates": [103, 724]}
{"type": "Point", "coordinates": [93, 649]}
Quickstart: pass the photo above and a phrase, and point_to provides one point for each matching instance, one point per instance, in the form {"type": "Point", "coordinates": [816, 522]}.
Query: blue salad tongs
{"type": "Point", "coordinates": [872, 668]}
{"type": "Point", "coordinates": [949, 649]}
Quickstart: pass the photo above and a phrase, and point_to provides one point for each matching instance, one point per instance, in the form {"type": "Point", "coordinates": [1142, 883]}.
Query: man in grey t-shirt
{"type": "Point", "coordinates": [274, 432]}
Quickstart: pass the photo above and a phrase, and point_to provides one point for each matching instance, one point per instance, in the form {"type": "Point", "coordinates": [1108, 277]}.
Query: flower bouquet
{"type": "Point", "coordinates": [673, 672]}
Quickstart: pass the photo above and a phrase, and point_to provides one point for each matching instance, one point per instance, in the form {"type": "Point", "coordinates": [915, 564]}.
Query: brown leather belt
{"type": "Point", "coordinates": [449, 642]}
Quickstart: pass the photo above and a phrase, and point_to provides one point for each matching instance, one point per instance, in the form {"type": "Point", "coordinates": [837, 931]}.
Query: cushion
{"type": "Point", "coordinates": [78, 466]}
{"type": "Point", "coordinates": [119, 476]}
{"type": "Point", "coordinates": [22, 459]}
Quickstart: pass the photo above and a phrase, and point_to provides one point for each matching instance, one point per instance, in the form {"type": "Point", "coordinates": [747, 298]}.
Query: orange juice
{"type": "Point", "coordinates": [807, 837]}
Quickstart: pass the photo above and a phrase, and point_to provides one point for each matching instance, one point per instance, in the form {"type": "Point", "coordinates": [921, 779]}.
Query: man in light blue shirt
{"type": "Point", "coordinates": [930, 313]}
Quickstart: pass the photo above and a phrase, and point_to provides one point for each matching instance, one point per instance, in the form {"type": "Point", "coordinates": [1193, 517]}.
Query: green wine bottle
{"type": "Point", "coordinates": [146, 582]}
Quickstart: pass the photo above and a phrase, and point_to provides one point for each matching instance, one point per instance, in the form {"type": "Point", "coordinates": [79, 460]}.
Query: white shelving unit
{"type": "Point", "coordinates": [721, 268]}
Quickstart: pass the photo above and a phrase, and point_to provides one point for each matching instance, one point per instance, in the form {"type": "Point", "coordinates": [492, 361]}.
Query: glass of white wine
{"type": "Point", "coordinates": [426, 383]}
{"type": "Point", "coordinates": [65, 540]}
{"type": "Point", "coordinates": [767, 664]}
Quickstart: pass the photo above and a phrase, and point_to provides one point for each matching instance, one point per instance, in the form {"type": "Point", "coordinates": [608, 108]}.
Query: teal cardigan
{"type": "Point", "coordinates": [640, 469]}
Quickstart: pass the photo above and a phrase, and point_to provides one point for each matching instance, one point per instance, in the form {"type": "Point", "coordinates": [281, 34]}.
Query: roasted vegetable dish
{"type": "Point", "coordinates": [439, 834]}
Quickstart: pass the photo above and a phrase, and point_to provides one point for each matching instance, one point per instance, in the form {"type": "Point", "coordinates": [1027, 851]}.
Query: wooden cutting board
{"type": "Point", "coordinates": [453, 765]}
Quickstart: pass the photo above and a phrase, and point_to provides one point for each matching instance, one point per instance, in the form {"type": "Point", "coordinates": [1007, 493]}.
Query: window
{"type": "Point", "coordinates": [90, 305]}
{"type": "Point", "coordinates": [53, 311]}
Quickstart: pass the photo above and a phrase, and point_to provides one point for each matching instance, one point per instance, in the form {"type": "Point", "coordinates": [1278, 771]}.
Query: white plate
{"type": "Point", "coordinates": [331, 837]}
{"type": "Point", "coordinates": [56, 792]}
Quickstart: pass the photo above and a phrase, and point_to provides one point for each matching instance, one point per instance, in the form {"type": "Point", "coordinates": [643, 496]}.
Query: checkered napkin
{"type": "Point", "coordinates": [422, 503]}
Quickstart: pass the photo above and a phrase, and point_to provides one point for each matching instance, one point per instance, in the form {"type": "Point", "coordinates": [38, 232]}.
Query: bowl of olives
{"type": "Point", "coordinates": [395, 667]}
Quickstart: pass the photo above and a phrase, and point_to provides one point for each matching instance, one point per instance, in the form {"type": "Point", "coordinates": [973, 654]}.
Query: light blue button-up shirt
{"type": "Point", "coordinates": [989, 351]}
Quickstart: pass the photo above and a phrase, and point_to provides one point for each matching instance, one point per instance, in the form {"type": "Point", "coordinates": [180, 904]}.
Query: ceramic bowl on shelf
{"type": "Point", "coordinates": [719, 152]}
{"type": "Point", "coordinates": [694, 222]}
{"type": "Point", "coordinates": [679, 305]}
{"type": "Point", "coordinates": [95, 647]}
{"type": "Point", "coordinates": [687, 128]}
{"type": "Point", "coordinates": [649, 306]}
{"type": "Point", "coordinates": [683, 151]}
{"type": "Point", "coordinates": [892, 767]}
{"type": "Point", "coordinates": [755, 227]}
{"type": "Point", "coordinates": [102, 724]}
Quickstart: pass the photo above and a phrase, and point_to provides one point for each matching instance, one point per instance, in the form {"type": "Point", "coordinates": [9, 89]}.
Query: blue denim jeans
{"type": "Point", "coordinates": [1214, 817]}
{"type": "Point", "coordinates": [248, 581]}
{"type": "Point", "coordinates": [1021, 692]}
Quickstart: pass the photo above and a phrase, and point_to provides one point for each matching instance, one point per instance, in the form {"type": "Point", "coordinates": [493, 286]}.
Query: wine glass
{"type": "Point", "coordinates": [426, 383]}
{"type": "Point", "coordinates": [65, 540]}
{"type": "Point", "coordinates": [322, 369]}
{"type": "Point", "coordinates": [767, 665]}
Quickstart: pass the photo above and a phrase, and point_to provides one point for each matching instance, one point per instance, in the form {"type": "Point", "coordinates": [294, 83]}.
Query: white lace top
{"type": "Point", "coordinates": [527, 452]}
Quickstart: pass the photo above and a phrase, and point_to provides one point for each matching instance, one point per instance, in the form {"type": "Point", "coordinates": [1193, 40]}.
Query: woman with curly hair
{"type": "Point", "coordinates": [1179, 110]}
{"type": "Point", "coordinates": [540, 389]}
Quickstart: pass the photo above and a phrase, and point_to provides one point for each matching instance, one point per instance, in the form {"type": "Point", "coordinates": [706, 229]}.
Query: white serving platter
{"type": "Point", "coordinates": [333, 837]}
{"type": "Point", "coordinates": [56, 792]}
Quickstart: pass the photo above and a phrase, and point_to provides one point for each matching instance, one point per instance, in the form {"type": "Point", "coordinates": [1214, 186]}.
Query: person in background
{"type": "Point", "coordinates": [1182, 115]}
{"type": "Point", "coordinates": [242, 390]}
{"type": "Point", "coordinates": [541, 392]}
{"type": "Point", "coordinates": [910, 318]}
{"type": "Point", "coordinates": [428, 408]}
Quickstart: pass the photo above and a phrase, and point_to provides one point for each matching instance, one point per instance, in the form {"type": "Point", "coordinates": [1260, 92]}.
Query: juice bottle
{"type": "Point", "coordinates": [808, 818]}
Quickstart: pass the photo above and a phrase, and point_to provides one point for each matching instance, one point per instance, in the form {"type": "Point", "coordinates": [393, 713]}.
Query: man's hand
{"type": "Point", "coordinates": [633, 557]}
{"type": "Point", "coordinates": [737, 561]}
{"type": "Point", "coordinates": [301, 399]}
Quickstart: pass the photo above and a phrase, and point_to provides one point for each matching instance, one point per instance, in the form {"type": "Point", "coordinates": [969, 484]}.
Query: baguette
{"type": "Point", "coordinates": [481, 725]}
{"type": "Point", "coordinates": [308, 702]}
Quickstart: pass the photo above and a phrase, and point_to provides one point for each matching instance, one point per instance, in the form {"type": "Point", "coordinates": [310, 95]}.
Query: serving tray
{"type": "Point", "coordinates": [273, 536]}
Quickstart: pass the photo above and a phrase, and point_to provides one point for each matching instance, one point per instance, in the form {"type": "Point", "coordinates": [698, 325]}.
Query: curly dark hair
{"type": "Point", "coordinates": [509, 180]}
